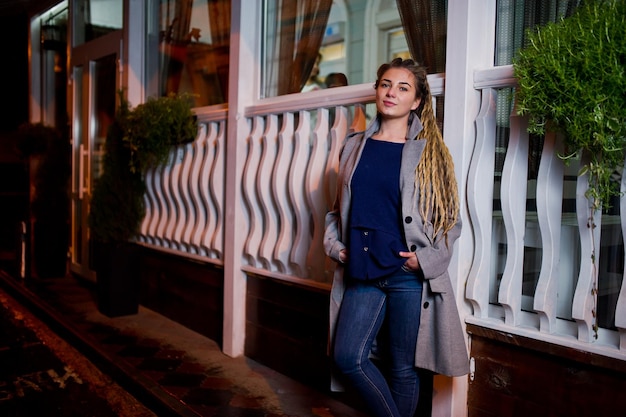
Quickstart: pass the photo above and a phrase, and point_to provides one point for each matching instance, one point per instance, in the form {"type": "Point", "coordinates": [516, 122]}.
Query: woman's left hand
{"type": "Point", "coordinates": [412, 264]}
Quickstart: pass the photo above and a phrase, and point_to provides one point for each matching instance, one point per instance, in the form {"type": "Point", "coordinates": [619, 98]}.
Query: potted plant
{"type": "Point", "coordinates": [572, 80]}
{"type": "Point", "coordinates": [138, 139]}
{"type": "Point", "coordinates": [48, 152]}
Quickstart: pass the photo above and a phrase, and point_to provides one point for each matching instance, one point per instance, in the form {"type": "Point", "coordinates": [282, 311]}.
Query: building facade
{"type": "Point", "coordinates": [231, 244]}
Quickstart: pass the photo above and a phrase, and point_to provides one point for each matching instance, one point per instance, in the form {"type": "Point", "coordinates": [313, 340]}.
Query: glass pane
{"type": "Point", "coordinates": [95, 18]}
{"type": "Point", "coordinates": [103, 95]}
{"type": "Point", "coordinates": [611, 265]}
{"type": "Point", "coordinates": [514, 18]}
{"type": "Point", "coordinates": [192, 38]}
{"type": "Point", "coordinates": [53, 35]}
{"type": "Point", "coordinates": [358, 36]}
{"type": "Point", "coordinates": [79, 161]}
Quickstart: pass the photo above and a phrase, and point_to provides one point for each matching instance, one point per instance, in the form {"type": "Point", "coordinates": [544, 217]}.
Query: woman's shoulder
{"type": "Point", "coordinates": [351, 142]}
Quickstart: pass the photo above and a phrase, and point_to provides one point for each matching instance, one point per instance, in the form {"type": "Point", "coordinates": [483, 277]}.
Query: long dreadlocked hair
{"type": "Point", "coordinates": [434, 175]}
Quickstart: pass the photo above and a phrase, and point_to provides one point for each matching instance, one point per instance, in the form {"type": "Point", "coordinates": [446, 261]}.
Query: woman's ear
{"type": "Point", "coordinates": [416, 103]}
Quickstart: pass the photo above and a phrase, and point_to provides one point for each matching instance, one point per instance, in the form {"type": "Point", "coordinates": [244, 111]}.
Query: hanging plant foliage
{"type": "Point", "coordinates": [572, 79]}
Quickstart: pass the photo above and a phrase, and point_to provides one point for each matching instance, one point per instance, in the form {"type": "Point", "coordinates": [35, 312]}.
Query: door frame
{"type": "Point", "coordinates": [83, 135]}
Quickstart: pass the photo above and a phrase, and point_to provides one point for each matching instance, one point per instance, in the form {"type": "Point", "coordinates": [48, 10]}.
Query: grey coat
{"type": "Point", "coordinates": [440, 343]}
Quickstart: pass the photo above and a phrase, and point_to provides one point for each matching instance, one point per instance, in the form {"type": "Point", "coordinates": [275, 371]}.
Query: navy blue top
{"type": "Point", "coordinates": [376, 233]}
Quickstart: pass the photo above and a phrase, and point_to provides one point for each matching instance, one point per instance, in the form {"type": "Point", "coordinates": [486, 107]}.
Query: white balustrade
{"type": "Point", "coordinates": [288, 184]}
{"type": "Point", "coordinates": [558, 298]}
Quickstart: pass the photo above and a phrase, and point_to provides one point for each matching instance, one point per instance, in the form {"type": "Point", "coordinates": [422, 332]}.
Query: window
{"type": "Point", "coordinates": [190, 47]}
{"type": "Point", "coordinates": [96, 18]}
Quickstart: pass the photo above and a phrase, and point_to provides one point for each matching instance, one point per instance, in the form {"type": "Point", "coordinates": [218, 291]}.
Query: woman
{"type": "Point", "coordinates": [392, 229]}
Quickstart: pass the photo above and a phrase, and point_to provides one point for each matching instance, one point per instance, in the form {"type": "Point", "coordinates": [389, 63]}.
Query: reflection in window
{"type": "Point", "coordinates": [53, 50]}
{"type": "Point", "coordinates": [96, 18]}
{"type": "Point", "coordinates": [194, 47]}
{"type": "Point", "coordinates": [294, 30]}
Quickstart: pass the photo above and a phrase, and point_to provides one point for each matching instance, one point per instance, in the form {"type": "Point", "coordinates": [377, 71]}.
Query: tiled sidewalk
{"type": "Point", "coordinates": [168, 367]}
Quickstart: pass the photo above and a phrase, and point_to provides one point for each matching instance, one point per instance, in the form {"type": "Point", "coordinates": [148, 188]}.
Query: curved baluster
{"type": "Point", "coordinates": [314, 193]}
{"type": "Point", "coordinates": [513, 196]}
{"type": "Point", "coordinates": [297, 255]}
{"type": "Point", "coordinates": [174, 227]}
{"type": "Point", "coordinates": [584, 307]}
{"type": "Point", "coordinates": [337, 134]}
{"type": "Point", "coordinates": [162, 175]}
{"type": "Point", "coordinates": [205, 189]}
{"type": "Point", "coordinates": [151, 210]}
{"type": "Point", "coordinates": [359, 120]}
{"type": "Point", "coordinates": [620, 309]}
{"type": "Point", "coordinates": [182, 230]}
{"type": "Point", "coordinates": [217, 191]}
{"type": "Point", "coordinates": [249, 195]}
{"type": "Point", "coordinates": [284, 158]}
{"type": "Point", "coordinates": [193, 233]}
{"type": "Point", "coordinates": [549, 203]}
{"type": "Point", "coordinates": [480, 203]}
{"type": "Point", "coordinates": [263, 185]}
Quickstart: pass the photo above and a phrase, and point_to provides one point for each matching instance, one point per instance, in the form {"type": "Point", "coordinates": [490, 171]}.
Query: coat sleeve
{"type": "Point", "coordinates": [332, 242]}
{"type": "Point", "coordinates": [434, 259]}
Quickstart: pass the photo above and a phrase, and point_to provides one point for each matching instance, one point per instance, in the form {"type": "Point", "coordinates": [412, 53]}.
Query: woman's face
{"type": "Point", "coordinates": [395, 94]}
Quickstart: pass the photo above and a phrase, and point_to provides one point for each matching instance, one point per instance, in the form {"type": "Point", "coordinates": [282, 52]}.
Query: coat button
{"type": "Point", "coordinates": [413, 248]}
{"type": "Point", "coordinates": [426, 304]}
{"type": "Point", "coordinates": [408, 219]}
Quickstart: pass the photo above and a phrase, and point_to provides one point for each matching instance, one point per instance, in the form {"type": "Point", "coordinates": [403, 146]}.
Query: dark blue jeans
{"type": "Point", "coordinates": [396, 300]}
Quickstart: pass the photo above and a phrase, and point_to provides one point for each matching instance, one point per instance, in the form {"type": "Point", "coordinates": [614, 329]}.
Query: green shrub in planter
{"type": "Point", "coordinates": [155, 126]}
{"type": "Point", "coordinates": [139, 139]}
{"type": "Point", "coordinates": [572, 79]}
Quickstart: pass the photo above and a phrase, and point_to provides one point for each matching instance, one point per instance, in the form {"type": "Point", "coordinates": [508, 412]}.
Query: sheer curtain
{"type": "Point", "coordinates": [296, 29]}
{"type": "Point", "coordinates": [425, 28]}
{"type": "Point", "coordinates": [513, 19]}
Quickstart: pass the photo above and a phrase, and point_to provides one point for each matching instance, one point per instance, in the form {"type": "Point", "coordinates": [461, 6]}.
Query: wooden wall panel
{"type": "Point", "coordinates": [287, 328]}
{"type": "Point", "coordinates": [515, 378]}
{"type": "Point", "coordinates": [190, 293]}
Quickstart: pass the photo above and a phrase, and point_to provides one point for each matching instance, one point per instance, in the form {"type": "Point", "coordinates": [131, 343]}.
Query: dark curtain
{"type": "Point", "coordinates": [299, 33]}
{"type": "Point", "coordinates": [425, 27]}
{"type": "Point", "coordinates": [219, 21]}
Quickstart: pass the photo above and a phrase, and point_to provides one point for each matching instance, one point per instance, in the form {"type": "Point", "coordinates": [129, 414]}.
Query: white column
{"type": "Point", "coordinates": [471, 34]}
{"type": "Point", "coordinates": [242, 91]}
